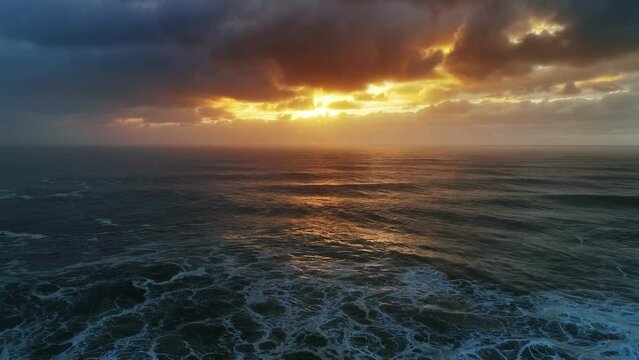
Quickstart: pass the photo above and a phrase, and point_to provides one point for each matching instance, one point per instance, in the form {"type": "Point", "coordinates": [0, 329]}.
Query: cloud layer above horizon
{"type": "Point", "coordinates": [320, 71]}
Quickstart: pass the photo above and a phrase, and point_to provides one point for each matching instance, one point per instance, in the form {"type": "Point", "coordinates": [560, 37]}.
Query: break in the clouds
{"type": "Point", "coordinates": [175, 71]}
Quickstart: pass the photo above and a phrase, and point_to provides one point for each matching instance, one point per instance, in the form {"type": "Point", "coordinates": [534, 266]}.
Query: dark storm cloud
{"type": "Point", "coordinates": [88, 55]}
{"type": "Point", "coordinates": [76, 23]}
{"type": "Point", "coordinates": [595, 30]}
{"type": "Point", "coordinates": [345, 44]}
{"type": "Point", "coordinates": [101, 56]}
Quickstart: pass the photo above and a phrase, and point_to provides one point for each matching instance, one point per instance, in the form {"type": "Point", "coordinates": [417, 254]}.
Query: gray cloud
{"type": "Point", "coordinates": [594, 30]}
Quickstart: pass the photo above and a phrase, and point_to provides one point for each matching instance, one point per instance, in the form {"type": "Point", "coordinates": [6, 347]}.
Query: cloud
{"type": "Point", "coordinates": [343, 105]}
{"type": "Point", "coordinates": [167, 61]}
{"type": "Point", "coordinates": [570, 89]}
{"type": "Point", "coordinates": [449, 107]}
{"type": "Point", "coordinates": [613, 111]}
{"type": "Point", "coordinates": [342, 45]}
{"type": "Point", "coordinates": [161, 50]}
{"type": "Point", "coordinates": [298, 103]}
{"type": "Point", "coordinates": [370, 97]}
{"type": "Point", "coordinates": [146, 52]}
{"type": "Point", "coordinates": [606, 121]}
{"type": "Point", "coordinates": [587, 31]}
{"type": "Point", "coordinates": [215, 113]}
{"type": "Point", "coordinates": [95, 23]}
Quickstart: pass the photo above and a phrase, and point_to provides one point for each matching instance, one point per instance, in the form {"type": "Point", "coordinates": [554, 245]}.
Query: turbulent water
{"type": "Point", "coordinates": [451, 253]}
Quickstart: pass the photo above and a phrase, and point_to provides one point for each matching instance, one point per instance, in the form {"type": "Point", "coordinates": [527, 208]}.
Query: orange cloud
{"type": "Point", "coordinates": [343, 105]}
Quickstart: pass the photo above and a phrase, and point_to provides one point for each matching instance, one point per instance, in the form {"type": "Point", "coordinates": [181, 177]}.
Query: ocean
{"type": "Point", "coordinates": [379, 253]}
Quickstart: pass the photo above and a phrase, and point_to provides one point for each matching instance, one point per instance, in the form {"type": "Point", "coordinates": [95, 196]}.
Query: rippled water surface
{"type": "Point", "coordinates": [450, 253]}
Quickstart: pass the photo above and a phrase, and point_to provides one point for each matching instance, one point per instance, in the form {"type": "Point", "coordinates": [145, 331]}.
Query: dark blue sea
{"type": "Point", "coordinates": [425, 253]}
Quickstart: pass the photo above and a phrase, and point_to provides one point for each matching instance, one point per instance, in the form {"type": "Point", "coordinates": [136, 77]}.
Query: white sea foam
{"type": "Point", "coordinates": [334, 310]}
{"type": "Point", "coordinates": [106, 222]}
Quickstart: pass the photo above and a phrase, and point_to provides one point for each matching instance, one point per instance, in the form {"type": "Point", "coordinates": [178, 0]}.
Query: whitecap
{"type": "Point", "coordinates": [106, 222]}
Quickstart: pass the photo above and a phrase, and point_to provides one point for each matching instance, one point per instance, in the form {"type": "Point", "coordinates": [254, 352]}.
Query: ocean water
{"type": "Point", "coordinates": [433, 253]}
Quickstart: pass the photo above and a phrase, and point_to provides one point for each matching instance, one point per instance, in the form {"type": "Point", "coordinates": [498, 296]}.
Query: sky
{"type": "Point", "coordinates": [298, 72]}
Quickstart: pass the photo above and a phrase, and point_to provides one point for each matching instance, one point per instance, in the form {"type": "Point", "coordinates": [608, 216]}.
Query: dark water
{"type": "Point", "coordinates": [485, 253]}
